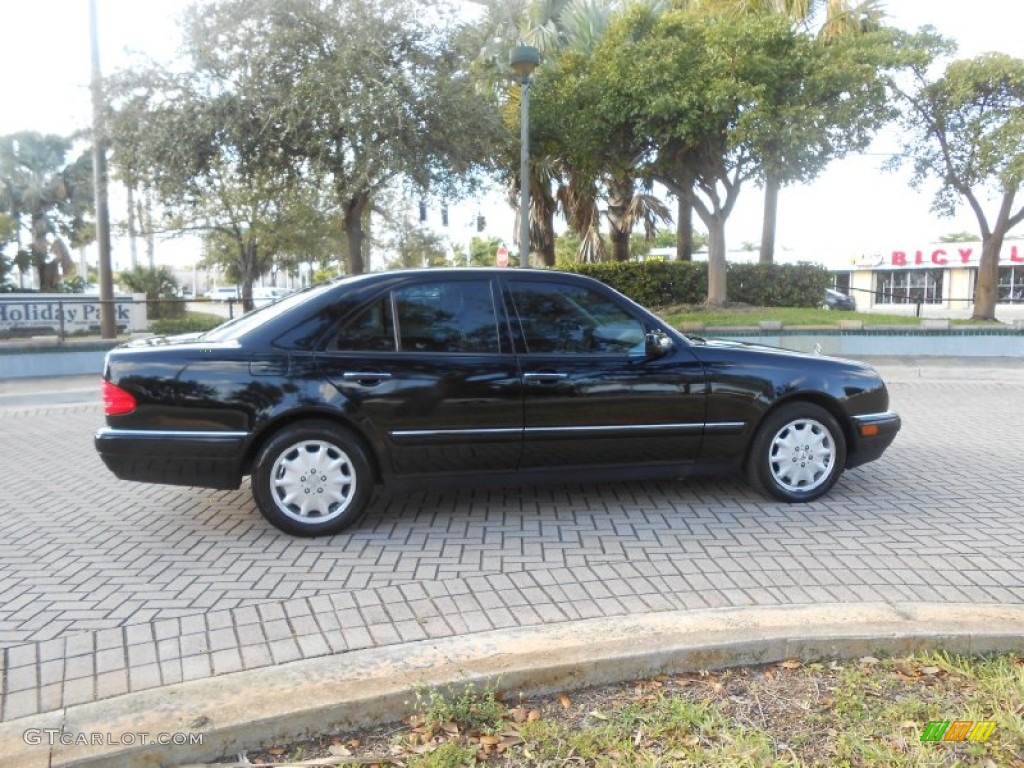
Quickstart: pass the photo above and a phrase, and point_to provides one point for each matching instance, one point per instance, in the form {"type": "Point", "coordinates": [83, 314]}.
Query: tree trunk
{"type": "Point", "coordinates": [682, 187]}
{"type": "Point", "coordinates": [717, 294]}
{"type": "Point", "coordinates": [133, 246]}
{"type": "Point", "coordinates": [684, 229]}
{"type": "Point", "coordinates": [145, 209]}
{"type": "Point", "coordinates": [546, 246]}
{"type": "Point", "coordinates": [353, 221]}
{"type": "Point", "coordinates": [771, 214]}
{"type": "Point", "coordinates": [985, 289]}
{"type": "Point", "coordinates": [988, 277]}
{"type": "Point", "coordinates": [247, 253]}
{"type": "Point", "coordinates": [48, 277]}
{"type": "Point", "coordinates": [620, 192]}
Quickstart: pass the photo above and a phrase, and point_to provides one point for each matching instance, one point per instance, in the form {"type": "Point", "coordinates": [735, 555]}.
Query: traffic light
{"type": "Point", "coordinates": [481, 222]}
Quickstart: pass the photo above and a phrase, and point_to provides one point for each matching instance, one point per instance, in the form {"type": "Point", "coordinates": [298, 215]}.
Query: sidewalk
{"type": "Point", "coordinates": [50, 390]}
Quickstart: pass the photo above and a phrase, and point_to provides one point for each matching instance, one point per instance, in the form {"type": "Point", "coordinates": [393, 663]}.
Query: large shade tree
{"type": "Point", "coordinates": [200, 148]}
{"type": "Point", "coordinates": [48, 196]}
{"type": "Point", "coordinates": [966, 129]}
{"type": "Point", "coordinates": [700, 88]}
{"type": "Point", "coordinates": [835, 108]}
{"type": "Point", "coordinates": [352, 93]}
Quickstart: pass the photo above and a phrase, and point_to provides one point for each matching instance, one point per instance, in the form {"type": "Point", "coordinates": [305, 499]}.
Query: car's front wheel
{"type": "Point", "coordinates": [312, 479]}
{"type": "Point", "coordinates": [798, 454]}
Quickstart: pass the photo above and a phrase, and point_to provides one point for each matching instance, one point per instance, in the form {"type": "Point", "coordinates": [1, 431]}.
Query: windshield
{"type": "Point", "coordinates": [242, 324]}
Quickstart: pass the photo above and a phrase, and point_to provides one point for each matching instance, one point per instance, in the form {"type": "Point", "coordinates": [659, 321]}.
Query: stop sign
{"type": "Point", "coordinates": [502, 256]}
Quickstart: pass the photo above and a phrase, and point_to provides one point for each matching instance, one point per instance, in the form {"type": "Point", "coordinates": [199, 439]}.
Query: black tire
{"type": "Point", "coordinates": [790, 469]}
{"type": "Point", "coordinates": [321, 503]}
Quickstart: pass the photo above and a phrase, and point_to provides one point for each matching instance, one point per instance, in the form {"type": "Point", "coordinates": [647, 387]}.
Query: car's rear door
{"type": "Point", "coordinates": [427, 367]}
{"type": "Point", "coordinates": [592, 396]}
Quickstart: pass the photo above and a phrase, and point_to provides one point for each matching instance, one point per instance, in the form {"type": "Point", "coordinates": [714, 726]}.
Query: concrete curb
{"type": "Point", "coordinates": [247, 709]}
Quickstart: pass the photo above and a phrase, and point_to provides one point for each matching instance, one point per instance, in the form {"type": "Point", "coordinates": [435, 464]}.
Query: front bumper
{"type": "Point", "coordinates": [172, 457]}
{"type": "Point", "coordinates": [872, 434]}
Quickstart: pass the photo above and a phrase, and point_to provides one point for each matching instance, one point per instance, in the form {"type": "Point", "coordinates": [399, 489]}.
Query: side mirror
{"type": "Point", "coordinates": [657, 343]}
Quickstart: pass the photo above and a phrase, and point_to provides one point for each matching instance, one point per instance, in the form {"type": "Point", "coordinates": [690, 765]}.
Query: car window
{"type": "Point", "coordinates": [242, 324]}
{"type": "Point", "coordinates": [437, 316]}
{"type": "Point", "coordinates": [456, 316]}
{"type": "Point", "coordinates": [372, 330]}
{"type": "Point", "coordinates": [560, 318]}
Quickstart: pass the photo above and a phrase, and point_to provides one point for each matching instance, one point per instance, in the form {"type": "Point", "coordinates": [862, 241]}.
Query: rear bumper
{"type": "Point", "coordinates": [204, 459]}
{"type": "Point", "coordinates": [868, 447]}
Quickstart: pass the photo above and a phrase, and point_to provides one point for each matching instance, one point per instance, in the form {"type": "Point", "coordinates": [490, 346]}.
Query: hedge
{"type": "Point", "coordinates": [665, 283]}
{"type": "Point", "coordinates": [193, 322]}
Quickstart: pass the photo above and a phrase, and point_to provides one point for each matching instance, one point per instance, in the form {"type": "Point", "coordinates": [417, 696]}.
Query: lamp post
{"type": "Point", "coordinates": [524, 59]}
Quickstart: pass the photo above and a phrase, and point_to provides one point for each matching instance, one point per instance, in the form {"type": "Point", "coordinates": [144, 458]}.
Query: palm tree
{"type": "Point", "coordinates": [36, 183]}
{"type": "Point", "coordinates": [558, 28]}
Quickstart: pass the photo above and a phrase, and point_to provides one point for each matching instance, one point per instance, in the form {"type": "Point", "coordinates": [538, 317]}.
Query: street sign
{"type": "Point", "coordinates": [502, 257]}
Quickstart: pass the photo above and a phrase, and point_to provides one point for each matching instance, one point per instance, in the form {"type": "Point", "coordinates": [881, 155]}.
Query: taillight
{"type": "Point", "coordinates": [116, 401]}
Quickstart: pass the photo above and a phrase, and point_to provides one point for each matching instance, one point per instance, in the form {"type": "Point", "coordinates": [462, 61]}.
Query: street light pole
{"type": "Point", "coordinates": [524, 59]}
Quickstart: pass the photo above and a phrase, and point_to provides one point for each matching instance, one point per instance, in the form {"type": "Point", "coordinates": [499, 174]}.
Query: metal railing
{"type": "Point", "coordinates": [917, 301]}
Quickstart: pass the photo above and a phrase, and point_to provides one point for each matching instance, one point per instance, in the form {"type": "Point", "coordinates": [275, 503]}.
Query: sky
{"type": "Point", "coordinates": [855, 208]}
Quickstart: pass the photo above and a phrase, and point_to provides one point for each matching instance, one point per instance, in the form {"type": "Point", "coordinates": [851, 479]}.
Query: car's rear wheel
{"type": "Point", "coordinates": [312, 479]}
{"type": "Point", "coordinates": [798, 454]}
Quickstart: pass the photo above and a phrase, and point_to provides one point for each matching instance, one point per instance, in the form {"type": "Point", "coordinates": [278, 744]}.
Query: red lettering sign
{"type": "Point", "coordinates": [965, 255]}
{"type": "Point", "coordinates": [899, 259]}
{"type": "Point", "coordinates": [939, 257]}
{"type": "Point", "coordinates": [1014, 256]}
{"type": "Point", "coordinates": [918, 257]}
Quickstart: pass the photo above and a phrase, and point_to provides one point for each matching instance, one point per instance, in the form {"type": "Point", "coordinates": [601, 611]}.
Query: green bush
{"type": "Point", "coordinates": [192, 322]}
{"type": "Point", "coordinates": [778, 285]}
{"type": "Point", "coordinates": [652, 283]}
{"type": "Point", "coordinates": [667, 283]}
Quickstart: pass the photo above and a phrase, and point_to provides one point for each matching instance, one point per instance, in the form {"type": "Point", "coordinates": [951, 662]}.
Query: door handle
{"type": "Point", "coordinates": [366, 378]}
{"type": "Point", "coordinates": [545, 377]}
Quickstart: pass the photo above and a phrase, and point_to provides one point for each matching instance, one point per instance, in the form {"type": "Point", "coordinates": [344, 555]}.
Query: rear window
{"type": "Point", "coordinates": [234, 329]}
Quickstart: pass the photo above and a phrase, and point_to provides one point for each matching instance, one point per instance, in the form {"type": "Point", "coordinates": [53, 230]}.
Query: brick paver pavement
{"type": "Point", "coordinates": [108, 587]}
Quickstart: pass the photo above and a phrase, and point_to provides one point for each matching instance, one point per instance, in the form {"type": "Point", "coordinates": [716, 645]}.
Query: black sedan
{"type": "Point", "coordinates": [419, 377]}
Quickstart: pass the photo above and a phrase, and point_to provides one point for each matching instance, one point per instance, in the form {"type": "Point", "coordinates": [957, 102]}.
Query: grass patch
{"type": "Point", "coordinates": [866, 712]}
{"type": "Point", "coordinates": [788, 316]}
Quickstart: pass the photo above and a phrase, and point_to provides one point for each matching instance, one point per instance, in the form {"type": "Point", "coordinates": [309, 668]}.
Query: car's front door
{"type": "Point", "coordinates": [592, 395]}
{"type": "Point", "coordinates": [428, 368]}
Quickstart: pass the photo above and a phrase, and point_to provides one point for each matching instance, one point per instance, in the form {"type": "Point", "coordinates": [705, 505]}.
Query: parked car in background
{"type": "Point", "coordinates": [411, 378]}
{"type": "Point", "coordinates": [223, 293]}
{"type": "Point", "coordinates": [836, 300]}
{"type": "Point", "coordinates": [268, 295]}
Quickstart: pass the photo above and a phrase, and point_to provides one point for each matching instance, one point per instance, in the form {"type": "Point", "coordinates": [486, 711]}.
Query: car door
{"type": "Point", "coordinates": [592, 395]}
{"type": "Point", "coordinates": [427, 366]}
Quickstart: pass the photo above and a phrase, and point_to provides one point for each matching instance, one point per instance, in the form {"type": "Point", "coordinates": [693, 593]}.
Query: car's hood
{"type": "Point", "coordinates": [774, 351]}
